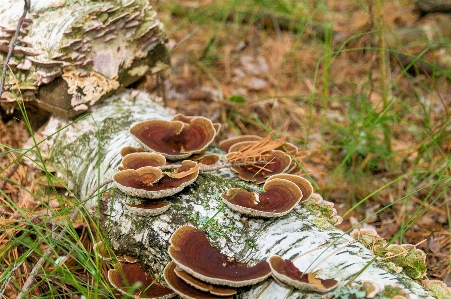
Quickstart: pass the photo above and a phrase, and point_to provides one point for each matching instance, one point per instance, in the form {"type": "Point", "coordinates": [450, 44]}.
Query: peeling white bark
{"type": "Point", "coordinates": [295, 236]}
{"type": "Point", "coordinates": [71, 55]}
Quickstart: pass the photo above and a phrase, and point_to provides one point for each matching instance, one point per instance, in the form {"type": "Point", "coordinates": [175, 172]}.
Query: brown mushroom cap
{"type": "Point", "coordinates": [279, 198]}
{"type": "Point", "coordinates": [139, 182]}
{"type": "Point", "coordinates": [191, 251]}
{"type": "Point", "coordinates": [227, 143]}
{"type": "Point", "coordinates": [124, 278]}
{"type": "Point", "coordinates": [149, 208]}
{"type": "Point", "coordinates": [187, 290]}
{"type": "Point", "coordinates": [130, 149]}
{"type": "Point", "coordinates": [188, 167]}
{"type": "Point", "coordinates": [277, 162]}
{"type": "Point", "coordinates": [305, 186]}
{"type": "Point", "coordinates": [187, 119]}
{"type": "Point", "coordinates": [287, 272]}
{"type": "Point", "coordinates": [203, 286]}
{"type": "Point", "coordinates": [206, 159]}
{"type": "Point", "coordinates": [175, 139]}
{"type": "Point", "coordinates": [138, 160]}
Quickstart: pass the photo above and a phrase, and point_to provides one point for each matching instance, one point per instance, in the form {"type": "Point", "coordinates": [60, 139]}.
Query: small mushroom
{"type": "Point", "coordinates": [175, 139]}
{"type": "Point", "coordinates": [127, 275]}
{"type": "Point", "coordinates": [149, 208]}
{"type": "Point", "coordinates": [206, 159]}
{"type": "Point", "coordinates": [45, 63]}
{"type": "Point", "coordinates": [138, 160]}
{"type": "Point", "coordinates": [192, 252]}
{"type": "Point", "coordinates": [303, 184]}
{"type": "Point", "coordinates": [188, 119]}
{"type": "Point", "coordinates": [24, 65]}
{"type": "Point", "coordinates": [130, 149]}
{"type": "Point", "coordinates": [279, 198]}
{"type": "Point", "coordinates": [276, 162]}
{"type": "Point", "coordinates": [286, 272]}
{"type": "Point", "coordinates": [227, 143]}
{"type": "Point", "coordinates": [149, 182]}
{"type": "Point", "coordinates": [190, 288]}
{"type": "Point", "coordinates": [134, 182]}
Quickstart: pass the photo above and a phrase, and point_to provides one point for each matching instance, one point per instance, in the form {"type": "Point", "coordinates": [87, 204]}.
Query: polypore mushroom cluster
{"type": "Point", "coordinates": [141, 174]}
{"type": "Point", "coordinates": [128, 277]}
{"type": "Point", "coordinates": [282, 192]}
{"type": "Point", "coordinates": [176, 139]}
{"type": "Point", "coordinates": [198, 270]}
{"type": "Point", "coordinates": [268, 156]}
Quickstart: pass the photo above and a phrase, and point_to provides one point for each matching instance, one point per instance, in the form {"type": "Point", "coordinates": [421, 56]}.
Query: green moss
{"type": "Point", "coordinates": [439, 290]}
{"type": "Point", "coordinates": [392, 291]}
{"type": "Point", "coordinates": [321, 223]}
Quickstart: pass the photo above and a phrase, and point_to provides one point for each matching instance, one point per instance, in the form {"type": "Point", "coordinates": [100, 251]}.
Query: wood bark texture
{"type": "Point", "coordinates": [88, 152]}
{"type": "Point", "coordinates": [71, 54]}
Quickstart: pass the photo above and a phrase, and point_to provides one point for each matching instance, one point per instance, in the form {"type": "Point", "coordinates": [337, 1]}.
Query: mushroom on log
{"type": "Point", "coordinates": [75, 53]}
{"type": "Point", "coordinates": [296, 235]}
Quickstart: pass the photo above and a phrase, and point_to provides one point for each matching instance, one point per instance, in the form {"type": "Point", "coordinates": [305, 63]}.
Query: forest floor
{"type": "Point", "coordinates": [374, 125]}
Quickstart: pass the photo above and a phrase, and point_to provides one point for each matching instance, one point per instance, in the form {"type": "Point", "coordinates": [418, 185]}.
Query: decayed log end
{"type": "Point", "coordinates": [298, 235]}
{"type": "Point", "coordinates": [70, 56]}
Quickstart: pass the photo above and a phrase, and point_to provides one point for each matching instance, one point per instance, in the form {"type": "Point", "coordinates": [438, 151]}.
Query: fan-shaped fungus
{"type": "Point", "coordinates": [149, 208]}
{"type": "Point", "coordinates": [127, 275]}
{"type": "Point", "coordinates": [199, 290]}
{"type": "Point", "coordinates": [192, 252]}
{"type": "Point", "coordinates": [227, 143]}
{"type": "Point", "coordinates": [130, 149]}
{"type": "Point", "coordinates": [303, 184]}
{"type": "Point", "coordinates": [138, 160]}
{"type": "Point", "coordinates": [287, 272]}
{"type": "Point", "coordinates": [279, 198]}
{"type": "Point", "coordinates": [175, 139]}
{"type": "Point", "coordinates": [275, 162]}
{"type": "Point", "coordinates": [149, 182]}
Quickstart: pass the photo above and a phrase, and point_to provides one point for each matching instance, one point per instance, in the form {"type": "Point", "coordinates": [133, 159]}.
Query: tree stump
{"type": "Point", "coordinates": [72, 54]}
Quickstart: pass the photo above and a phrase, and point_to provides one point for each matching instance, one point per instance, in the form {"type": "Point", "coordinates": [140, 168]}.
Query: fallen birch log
{"type": "Point", "coordinates": [88, 152]}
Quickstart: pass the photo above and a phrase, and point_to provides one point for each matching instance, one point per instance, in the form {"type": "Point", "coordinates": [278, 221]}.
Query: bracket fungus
{"type": "Point", "coordinates": [133, 277]}
{"type": "Point", "coordinates": [279, 198]}
{"type": "Point", "coordinates": [229, 142]}
{"type": "Point", "coordinates": [175, 139]}
{"type": "Point", "coordinates": [130, 150]}
{"type": "Point", "coordinates": [91, 53]}
{"type": "Point", "coordinates": [274, 162]}
{"type": "Point", "coordinates": [192, 252]}
{"type": "Point", "coordinates": [138, 160]}
{"type": "Point", "coordinates": [149, 208]}
{"type": "Point", "coordinates": [150, 182]}
{"type": "Point", "coordinates": [303, 184]}
{"type": "Point", "coordinates": [286, 272]}
{"type": "Point", "coordinates": [191, 288]}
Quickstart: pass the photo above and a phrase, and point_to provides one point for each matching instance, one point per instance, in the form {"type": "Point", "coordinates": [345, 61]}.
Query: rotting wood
{"type": "Point", "coordinates": [72, 54]}
{"type": "Point", "coordinates": [88, 152]}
